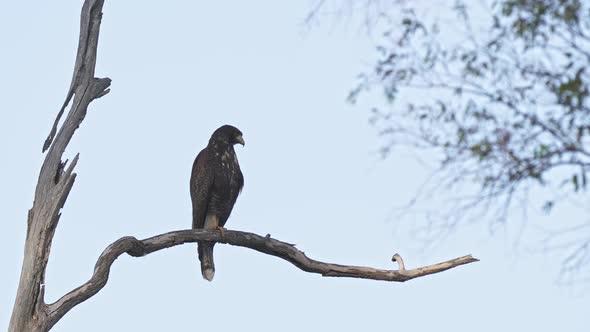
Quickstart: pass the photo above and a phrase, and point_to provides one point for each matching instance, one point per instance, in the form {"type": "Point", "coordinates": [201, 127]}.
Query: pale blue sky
{"type": "Point", "coordinates": [312, 177]}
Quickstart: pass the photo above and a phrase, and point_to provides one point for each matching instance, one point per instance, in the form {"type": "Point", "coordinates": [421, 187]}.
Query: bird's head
{"type": "Point", "coordinates": [228, 134]}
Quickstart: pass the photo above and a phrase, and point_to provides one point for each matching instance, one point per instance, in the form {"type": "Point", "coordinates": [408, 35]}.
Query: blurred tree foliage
{"type": "Point", "coordinates": [503, 89]}
{"type": "Point", "coordinates": [505, 107]}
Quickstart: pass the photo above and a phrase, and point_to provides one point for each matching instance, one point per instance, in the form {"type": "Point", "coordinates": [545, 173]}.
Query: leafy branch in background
{"type": "Point", "coordinates": [503, 104]}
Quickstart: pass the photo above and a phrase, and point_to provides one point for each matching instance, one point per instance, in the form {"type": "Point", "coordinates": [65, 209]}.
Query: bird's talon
{"type": "Point", "coordinates": [222, 231]}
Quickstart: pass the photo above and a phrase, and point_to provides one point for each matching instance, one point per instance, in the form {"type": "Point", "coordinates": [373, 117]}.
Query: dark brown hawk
{"type": "Point", "coordinates": [216, 182]}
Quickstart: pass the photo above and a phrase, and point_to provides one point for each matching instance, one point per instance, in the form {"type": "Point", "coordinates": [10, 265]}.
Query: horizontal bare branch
{"type": "Point", "coordinates": [264, 244]}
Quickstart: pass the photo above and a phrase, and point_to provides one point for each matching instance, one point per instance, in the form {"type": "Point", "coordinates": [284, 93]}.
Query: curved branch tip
{"type": "Point", "coordinates": [397, 258]}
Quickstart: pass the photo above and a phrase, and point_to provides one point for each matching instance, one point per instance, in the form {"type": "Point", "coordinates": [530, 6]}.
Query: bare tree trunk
{"type": "Point", "coordinates": [56, 178]}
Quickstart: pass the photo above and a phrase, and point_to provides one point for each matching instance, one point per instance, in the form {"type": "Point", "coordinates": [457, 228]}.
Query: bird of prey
{"type": "Point", "coordinates": [216, 181]}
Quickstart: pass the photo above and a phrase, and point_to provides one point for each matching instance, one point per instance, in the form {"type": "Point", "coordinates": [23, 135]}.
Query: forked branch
{"type": "Point", "coordinates": [264, 244]}
{"type": "Point", "coordinates": [56, 178]}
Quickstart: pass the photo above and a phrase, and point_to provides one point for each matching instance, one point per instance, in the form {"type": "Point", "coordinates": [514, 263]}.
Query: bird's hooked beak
{"type": "Point", "coordinates": [240, 140]}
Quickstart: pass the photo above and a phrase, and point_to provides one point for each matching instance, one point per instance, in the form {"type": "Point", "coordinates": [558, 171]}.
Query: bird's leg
{"type": "Point", "coordinates": [212, 222]}
{"type": "Point", "coordinates": [221, 230]}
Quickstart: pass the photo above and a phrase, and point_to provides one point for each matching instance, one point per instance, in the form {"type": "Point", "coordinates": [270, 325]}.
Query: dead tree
{"type": "Point", "coordinates": [56, 178]}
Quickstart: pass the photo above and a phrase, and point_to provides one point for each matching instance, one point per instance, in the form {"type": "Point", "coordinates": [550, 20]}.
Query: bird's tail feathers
{"type": "Point", "coordinates": [205, 250]}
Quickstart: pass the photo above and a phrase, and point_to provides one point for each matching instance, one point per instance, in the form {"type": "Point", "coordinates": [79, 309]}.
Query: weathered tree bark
{"type": "Point", "coordinates": [56, 178]}
{"type": "Point", "coordinates": [264, 244]}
